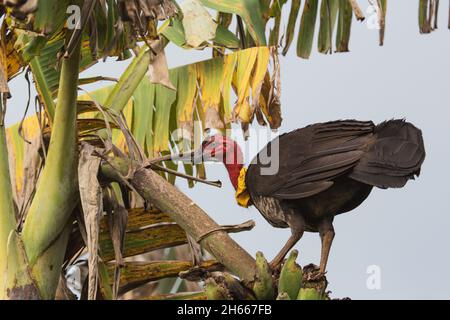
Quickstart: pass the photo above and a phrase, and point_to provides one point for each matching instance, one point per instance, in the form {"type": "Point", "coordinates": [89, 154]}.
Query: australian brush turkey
{"type": "Point", "coordinates": [323, 170]}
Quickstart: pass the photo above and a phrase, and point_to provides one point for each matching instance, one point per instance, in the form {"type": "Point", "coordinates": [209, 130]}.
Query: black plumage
{"type": "Point", "coordinates": [330, 168]}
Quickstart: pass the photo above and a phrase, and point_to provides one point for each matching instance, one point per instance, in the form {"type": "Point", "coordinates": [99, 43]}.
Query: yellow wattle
{"type": "Point", "coordinates": [242, 195]}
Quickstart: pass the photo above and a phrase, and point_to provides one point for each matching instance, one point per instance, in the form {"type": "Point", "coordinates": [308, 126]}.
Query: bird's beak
{"type": "Point", "coordinates": [198, 156]}
{"type": "Point", "coordinates": [194, 157]}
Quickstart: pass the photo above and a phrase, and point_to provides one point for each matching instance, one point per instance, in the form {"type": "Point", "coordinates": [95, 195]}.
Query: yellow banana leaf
{"type": "Point", "coordinates": [210, 76]}
{"type": "Point", "coordinates": [16, 149]}
{"type": "Point", "coordinates": [242, 83]}
{"type": "Point", "coordinates": [154, 112]}
{"type": "Point", "coordinates": [187, 93]}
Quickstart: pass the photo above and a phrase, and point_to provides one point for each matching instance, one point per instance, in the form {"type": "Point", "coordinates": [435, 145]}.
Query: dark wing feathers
{"type": "Point", "coordinates": [305, 190]}
{"type": "Point", "coordinates": [329, 165]}
{"type": "Point", "coordinates": [311, 157]}
{"type": "Point", "coordinates": [395, 157]}
{"type": "Point", "coordinates": [342, 129]}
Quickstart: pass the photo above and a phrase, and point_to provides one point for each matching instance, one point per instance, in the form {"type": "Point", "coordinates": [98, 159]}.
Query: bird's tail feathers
{"type": "Point", "coordinates": [395, 156]}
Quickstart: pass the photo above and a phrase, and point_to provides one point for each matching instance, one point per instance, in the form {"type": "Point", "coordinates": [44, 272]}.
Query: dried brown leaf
{"type": "Point", "coordinates": [32, 167]}
{"type": "Point", "coordinates": [92, 203]}
{"type": "Point", "coordinates": [118, 220]}
{"type": "Point", "coordinates": [158, 70]}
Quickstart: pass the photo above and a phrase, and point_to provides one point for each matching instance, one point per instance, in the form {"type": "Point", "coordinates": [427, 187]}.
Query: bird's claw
{"type": "Point", "coordinates": [316, 276]}
{"type": "Point", "coordinates": [312, 272]}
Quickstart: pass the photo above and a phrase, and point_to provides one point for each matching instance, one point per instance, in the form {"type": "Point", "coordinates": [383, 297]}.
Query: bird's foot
{"type": "Point", "coordinates": [312, 272]}
{"type": "Point", "coordinates": [201, 272]}
{"type": "Point", "coordinates": [316, 276]}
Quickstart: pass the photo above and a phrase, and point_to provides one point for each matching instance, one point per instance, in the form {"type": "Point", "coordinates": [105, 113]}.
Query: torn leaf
{"type": "Point", "coordinates": [199, 26]}
{"type": "Point", "coordinates": [158, 70]}
{"type": "Point", "coordinates": [92, 203]}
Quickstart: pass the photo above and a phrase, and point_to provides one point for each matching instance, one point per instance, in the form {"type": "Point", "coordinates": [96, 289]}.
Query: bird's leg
{"type": "Point", "coordinates": [326, 232]}
{"type": "Point", "coordinates": [297, 225]}
{"type": "Point", "coordinates": [293, 239]}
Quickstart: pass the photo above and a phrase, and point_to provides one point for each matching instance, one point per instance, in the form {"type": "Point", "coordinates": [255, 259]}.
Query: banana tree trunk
{"type": "Point", "coordinates": [7, 215]}
{"type": "Point", "coordinates": [186, 214]}
{"type": "Point", "coordinates": [39, 250]}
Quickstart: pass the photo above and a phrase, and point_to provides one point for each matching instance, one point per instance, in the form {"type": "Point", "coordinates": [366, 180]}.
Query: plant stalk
{"type": "Point", "coordinates": [57, 189]}
{"type": "Point", "coordinates": [7, 213]}
{"type": "Point", "coordinates": [129, 81]}
{"type": "Point", "coordinates": [196, 222]}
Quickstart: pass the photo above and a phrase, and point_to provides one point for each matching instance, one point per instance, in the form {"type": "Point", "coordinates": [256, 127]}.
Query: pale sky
{"type": "Point", "coordinates": [402, 232]}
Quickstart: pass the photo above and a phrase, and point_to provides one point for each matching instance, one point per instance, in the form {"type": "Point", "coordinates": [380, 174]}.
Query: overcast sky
{"type": "Point", "coordinates": [402, 232]}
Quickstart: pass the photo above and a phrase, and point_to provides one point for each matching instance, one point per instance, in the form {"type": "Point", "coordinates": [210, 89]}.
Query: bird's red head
{"type": "Point", "coordinates": [226, 150]}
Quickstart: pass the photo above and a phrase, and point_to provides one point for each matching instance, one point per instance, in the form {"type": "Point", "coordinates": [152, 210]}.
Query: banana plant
{"type": "Point", "coordinates": [72, 120]}
{"type": "Point", "coordinates": [292, 282]}
{"type": "Point", "coordinates": [34, 242]}
{"type": "Point", "coordinates": [72, 175]}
